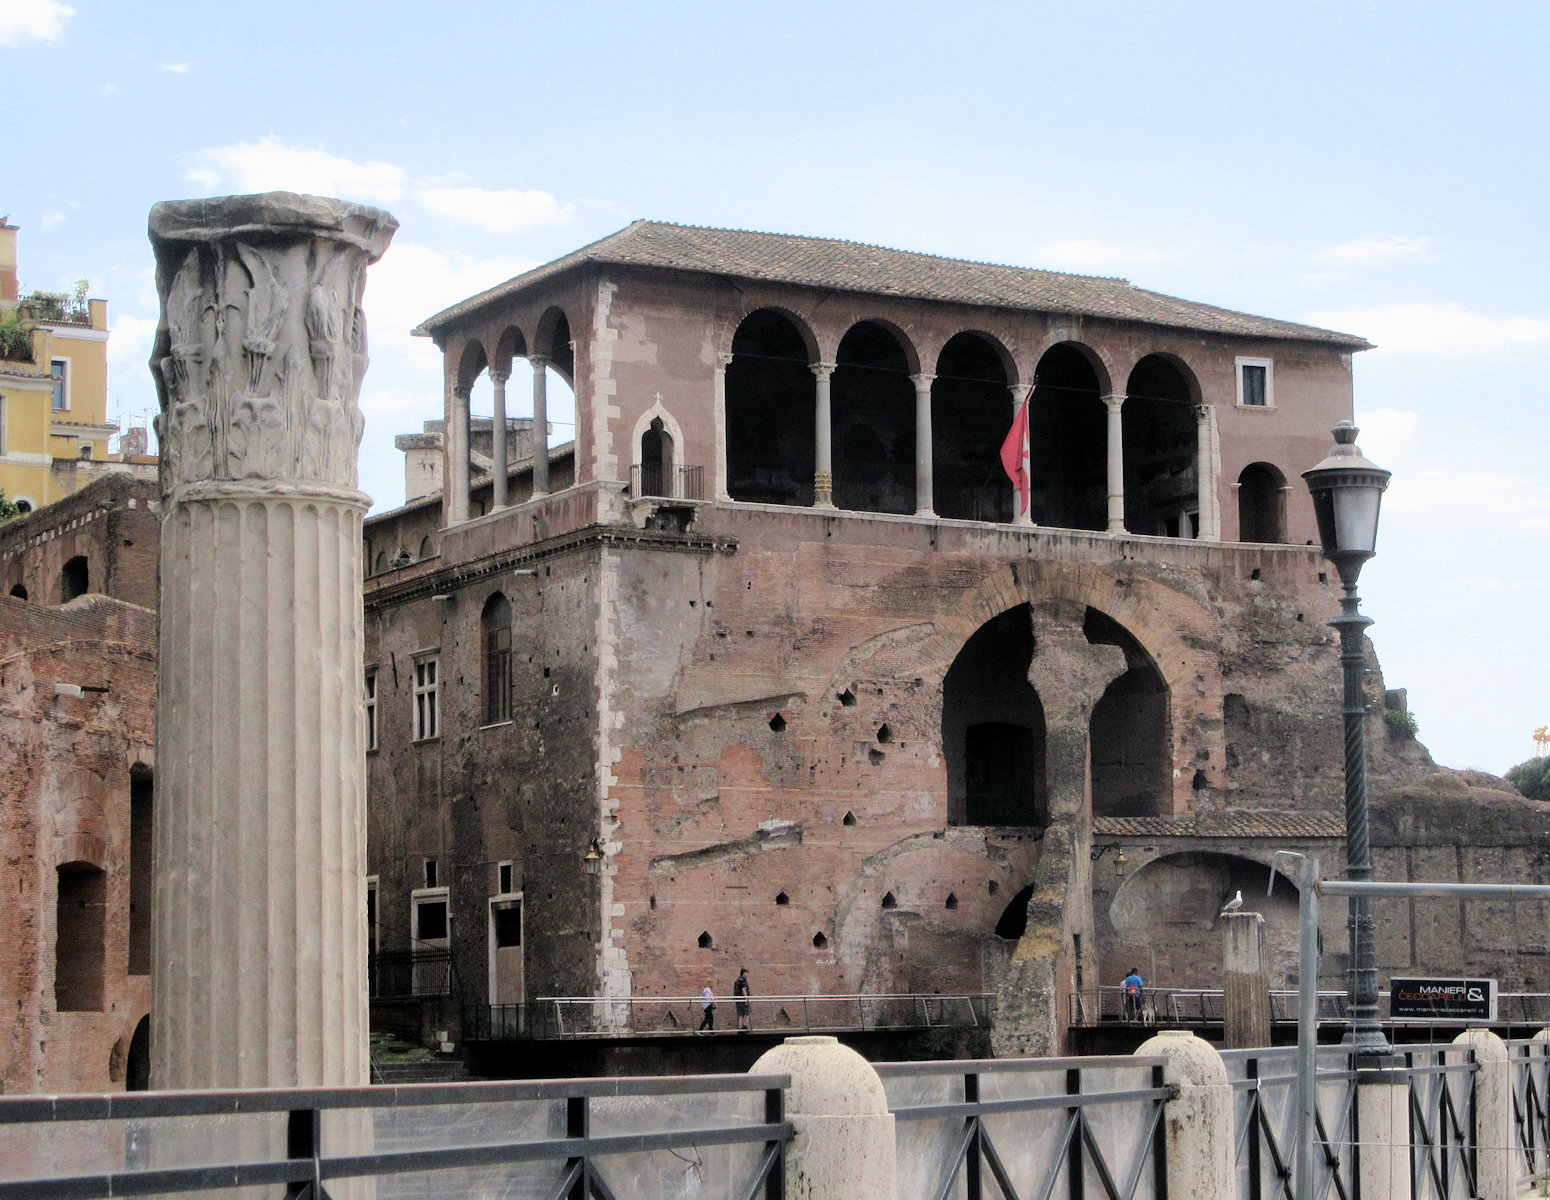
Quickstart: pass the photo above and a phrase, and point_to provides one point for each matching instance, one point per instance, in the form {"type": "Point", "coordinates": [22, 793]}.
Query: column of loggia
{"type": "Point", "coordinates": [259, 957]}
{"type": "Point", "coordinates": [457, 467]}
{"type": "Point", "coordinates": [1207, 473]}
{"type": "Point", "coordinates": [823, 447]}
{"type": "Point", "coordinates": [1116, 463]}
{"type": "Point", "coordinates": [540, 366]}
{"type": "Point", "coordinates": [498, 469]}
{"type": "Point", "coordinates": [923, 485]}
{"type": "Point", "coordinates": [1020, 396]}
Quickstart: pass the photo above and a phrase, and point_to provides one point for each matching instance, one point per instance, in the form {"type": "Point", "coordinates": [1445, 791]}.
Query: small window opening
{"type": "Point", "coordinates": [992, 887]}
{"type": "Point", "coordinates": [952, 900]}
{"type": "Point", "coordinates": [505, 878]}
{"type": "Point", "coordinates": [1323, 578]}
{"type": "Point", "coordinates": [140, 792]}
{"type": "Point", "coordinates": [889, 901]}
{"type": "Point", "coordinates": [21, 593]}
{"type": "Point", "coordinates": [850, 819]}
{"type": "Point", "coordinates": [876, 757]}
{"type": "Point", "coordinates": [819, 940]}
{"type": "Point", "coordinates": [74, 580]}
{"type": "Point", "coordinates": [1254, 574]}
{"type": "Point", "coordinates": [1199, 783]}
{"type": "Point", "coordinates": [848, 698]}
{"type": "Point", "coordinates": [705, 940]}
{"type": "Point", "coordinates": [1299, 618]}
{"type": "Point", "coordinates": [653, 901]}
{"type": "Point", "coordinates": [777, 724]}
{"type": "Point", "coordinates": [430, 873]}
{"type": "Point", "coordinates": [782, 898]}
{"type": "Point", "coordinates": [884, 734]}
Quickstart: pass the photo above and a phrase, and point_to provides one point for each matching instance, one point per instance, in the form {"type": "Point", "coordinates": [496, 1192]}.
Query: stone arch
{"type": "Point", "coordinates": [971, 411]}
{"type": "Point", "coordinates": [770, 417]}
{"type": "Point", "coordinates": [471, 363]}
{"type": "Point", "coordinates": [19, 591]}
{"type": "Point", "coordinates": [656, 447]}
{"type": "Point", "coordinates": [1068, 439]}
{"type": "Point", "coordinates": [873, 414]}
{"type": "Point", "coordinates": [799, 324]}
{"type": "Point", "coordinates": [552, 340]}
{"type": "Point", "coordinates": [511, 344]}
{"type": "Point", "coordinates": [1166, 919]}
{"type": "Point", "coordinates": [1098, 358]}
{"type": "Point", "coordinates": [80, 821]}
{"type": "Point", "coordinates": [1261, 503]}
{"type": "Point", "coordinates": [1128, 740]}
{"type": "Point", "coordinates": [1162, 479]}
{"type": "Point", "coordinates": [74, 579]}
{"type": "Point", "coordinates": [137, 1063]}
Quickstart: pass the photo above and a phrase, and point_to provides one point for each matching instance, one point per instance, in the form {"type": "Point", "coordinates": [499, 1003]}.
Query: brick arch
{"type": "Point", "coordinates": [726, 334]}
{"type": "Point", "coordinates": [997, 346]}
{"type": "Point", "coordinates": [1186, 372]}
{"type": "Point", "coordinates": [895, 330]}
{"type": "Point", "coordinates": [509, 345]}
{"type": "Point", "coordinates": [1098, 357]}
{"type": "Point", "coordinates": [80, 822]}
{"type": "Point", "coordinates": [471, 363]}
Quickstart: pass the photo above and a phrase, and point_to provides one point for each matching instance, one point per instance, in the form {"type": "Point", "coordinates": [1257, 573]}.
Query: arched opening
{"type": "Point", "coordinates": [141, 790]}
{"type": "Point", "coordinates": [873, 413]}
{"type": "Point", "coordinates": [1161, 482]}
{"type": "Point", "coordinates": [1014, 917]}
{"type": "Point", "coordinates": [1067, 442]}
{"type": "Point", "coordinates": [553, 341]}
{"type": "Point", "coordinates": [19, 592]}
{"type": "Point", "coordinates": [971, 411]}
{"type": "Point", "coordinates": [74, 579]}
{"type": "Point", "coordinates": [427, 547]}
{"type": "Point", "coordinates": [993, 728]}
{"type": "Point", "coordinates": [1132, 766]}
{"type": "Point", "coordinates": [1261, 504]}
{"type": "Point", "coordinates": [495, 630]}
{"type": "Point", "coordinates": [78, 937]}
{"type": "Point", "coordinates": [381, 563]}
{"type": "Point", "coordinates": [769, 412]}
{"type": "Point", "coordinates": [137, 1067]}
{"type": "Point", "coordinates": [656, 460]}
{"type": "Point", "coordinates": [23, 506]}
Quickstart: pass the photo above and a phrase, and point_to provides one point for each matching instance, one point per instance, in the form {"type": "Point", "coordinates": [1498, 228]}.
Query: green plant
{"type": "Point", "coordinates": [15, 339]}
{"type": "Point", "coordinates": [8, 509]}
{"type": "Point", "coordinates": [1532, 778]}
{"type": "Point", "coordinates": [1402, 723]}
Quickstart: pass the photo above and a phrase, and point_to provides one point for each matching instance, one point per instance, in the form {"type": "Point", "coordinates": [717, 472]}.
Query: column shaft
{"type": "Point", "coordinates": [540, 425]}
{"type": "Point", "coordinates": [1116, 463]}
{"type": "Point", "coordinates": [923, 484]}
{"type": "Point", "coordinates": [823, 448]}
{"type": "Point", "coordinates": [1208, 469]}
{"type": "Point", "coordinates": [457, 469]}
{"type": "Point", "coordinates": [498, 469]}
{"type": "Point", "coordinates": [1020, 396]}
{"type": "Point", "coordinates": [723, 361]}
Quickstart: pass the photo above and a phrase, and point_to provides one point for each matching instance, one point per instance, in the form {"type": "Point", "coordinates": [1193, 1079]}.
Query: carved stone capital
{"type": "Point", "coordinates": [922, 382]}
{"type": "Point", "coordinates": [461, 392]}
{"type": "Point", "coordinates": [724, 359]}
{"type": "Point", "coordinates": [822, 370]}
{"type": "Point", "coordinates": [499, 378]}
{"type": "Point", "coordinates": [538, 361]}
{"type": "Point", "coordinates": [1114, 401]}
{"type": "Point", "coordinates": [262, 342]}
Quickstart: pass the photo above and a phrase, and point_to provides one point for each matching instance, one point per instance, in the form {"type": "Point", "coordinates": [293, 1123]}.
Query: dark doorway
{"type": "Point", "coordinates": [873, 412]}
{"type": "Point", "coordinates": [74, 580]}
{"type": "Point", "coordinates": [770, 414]}
{"type": "Point", "coordinates": [971, 412]}
{"type": "Point", "coordinates": [1261, 504]}
{"type": "Point", "coordinates": [1067, 443]}
{"type": "Point", "coordinates": [1132, 766]}
{"type": "Point", "coordinates": [1161, 484]}
{"type": "Point", "coordinates": [79, 938]}
{"type": "Point", "coordinates": [656, 460]}
{"type": "Point", "coordinates": [137, 1067]}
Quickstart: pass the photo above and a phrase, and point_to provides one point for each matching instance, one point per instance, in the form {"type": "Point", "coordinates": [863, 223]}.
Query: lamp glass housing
{"type": "Point", "coordinates": [1347, 493]}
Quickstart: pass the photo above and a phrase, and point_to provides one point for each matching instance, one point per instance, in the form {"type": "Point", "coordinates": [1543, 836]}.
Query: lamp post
{"type": "Point", "coordinates": [1347, 491]}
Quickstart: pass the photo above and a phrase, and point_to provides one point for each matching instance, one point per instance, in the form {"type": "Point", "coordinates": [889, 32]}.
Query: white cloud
{"type": "Point", "coordinates": [270, 165]}
{"type": "Point", "coordinates": [1425, 328]}
{"type": "Point", "coordinates": [1375, 251]}
{"type": "Point", "coordinates": [38, 20]}
{"type": "Point", "coordinates": [414, 282]}
{"type": "Point", "coordinates": [1092, 255]}
{"type": "Point", "coordinates": [504, 211]}
{"type": "Point", "coordinates": [130, 340]}
{"type": "Point", "coordinates": [175, 68]}
{"type": "Point", "coordinates": [1386, 431]}
{"type": "Point", "coordinates": [52, 219]}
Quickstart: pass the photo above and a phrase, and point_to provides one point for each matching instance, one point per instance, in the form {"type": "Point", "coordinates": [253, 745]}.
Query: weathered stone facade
{"type": "Point", "coordinates": [779, 677]}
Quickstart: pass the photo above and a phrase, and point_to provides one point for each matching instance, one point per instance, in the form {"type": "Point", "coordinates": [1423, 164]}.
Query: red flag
{"type": "Point", "coordinates": [1014, 455]}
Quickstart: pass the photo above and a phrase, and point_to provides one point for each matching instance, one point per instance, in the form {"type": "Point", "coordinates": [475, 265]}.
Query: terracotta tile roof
{"type": "Point", "coordinates": [1231, 825]}
{"type": "Point", "coordinates": [877, 270]}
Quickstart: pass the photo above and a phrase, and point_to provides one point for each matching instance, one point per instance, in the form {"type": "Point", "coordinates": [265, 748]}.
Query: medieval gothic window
{"type": "Point", "coordinates": [371, 709]}
{"type": "Point", "coordinates": [426, 710]}
{"type": "Point", "coordinates": [495, 629]}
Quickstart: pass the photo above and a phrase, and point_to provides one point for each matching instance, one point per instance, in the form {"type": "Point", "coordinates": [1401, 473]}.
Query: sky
{"type": "Point", "coordinates": [1378, 168]}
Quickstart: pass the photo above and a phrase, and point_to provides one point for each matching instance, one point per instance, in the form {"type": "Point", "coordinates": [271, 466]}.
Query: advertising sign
{"type": "Point", "coordinates": [1443, 999]}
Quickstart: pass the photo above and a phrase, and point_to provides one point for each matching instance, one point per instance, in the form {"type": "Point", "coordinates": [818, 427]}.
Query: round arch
{"type": "Point", "coordinates": [971, 411]}
{"type": "Point", "coordinates": [1162, 482]}
{"type": "Point", "coordinates": [1068, 439]}
{"type": "Point", "coordinates": [872, 408]}
{"type": "Point", "coordinates": [1261, 503]}
{"type": "Point", "coordinates": [770, 413]}
{"type": "Point", "coordinates": [1098, 359]}
{"type": "Point", "coordinates": [747, 326]}
{"type": "Point", "coordinates": [471, 363]}
{"type": "Point", "coordinates": [552, 340]}
{"type": "Point", "coordinates": [511, 344]}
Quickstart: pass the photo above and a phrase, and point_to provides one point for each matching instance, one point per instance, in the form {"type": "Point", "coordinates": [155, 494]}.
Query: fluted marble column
{"type": "Point", "coordinates": [498, 466]}
{"type": "Point", "coordinates": [540, 366]}
{"type": "Point", "coordinates": [823, 446]}
{"type": "Point", "coordinates": [259, 959]}
{"type": "Point", "coordinates": [924, 499]}
{"type": "Point", "coordinates": [1116, 462]}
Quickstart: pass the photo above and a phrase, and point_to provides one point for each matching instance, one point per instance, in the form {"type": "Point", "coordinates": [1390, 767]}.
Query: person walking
{"type": "Point", "coordinates": [1133, 986]}
{"type": "Point", "coordinates": [741, 990]}
{"type": "Point", "coordinates": [708, 1007]}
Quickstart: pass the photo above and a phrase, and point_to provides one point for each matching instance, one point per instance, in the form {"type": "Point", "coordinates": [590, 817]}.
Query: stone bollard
{"type": "Point", "coordinates": [843, 1148]}
{"type": "Point", "coordinates": [259, 962]}
{"type": "Point", "coordinates": [1200, 1117]}
{"type": "Point", "coordinates": [1383, 1130]}
{"type": "Point", "coordinates": [1245, 983]}
{"type": "Point", "coordinates": [1495, 1138]}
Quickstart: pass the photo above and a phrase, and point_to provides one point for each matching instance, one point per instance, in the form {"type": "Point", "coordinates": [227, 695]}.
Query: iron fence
{"type": "Point", "coordinates": [667, 482]}
{"type": "Point", "coordinates": [1203, 1006]}
{"type": "Point", "coordinates": [411, 974]}
{"type": "Point", "coordinates": [1531, 1107]}
{"type": "Point", "coordinates": [1443, 1154]}
{"type": "Point", "coordinates": [1029, 1128]}
{"type": "Point", "coordinates": [564, 1017]}
{"type": "Point", "coordinates": [720, 1136]}
{"type": "Point", "coordinates": [1264, 1084]}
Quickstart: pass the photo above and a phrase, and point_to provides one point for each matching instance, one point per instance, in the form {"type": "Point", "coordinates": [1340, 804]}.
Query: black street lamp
{"type": "Point", "coordinates": [1347, 491]}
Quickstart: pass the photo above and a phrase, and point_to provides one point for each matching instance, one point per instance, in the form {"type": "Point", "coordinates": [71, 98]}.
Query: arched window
{"type": "Point", "coordinates": [770, 414]}
{"type": "Point", "coordinates": [971, 411]}
{"type": "Point", "coordinates": [1067, 442]}
{"type": "Point", "coordinates": [74, 580]}
{"type": "Point", "coordinates": [78, 938]}
{"type": "Point", "coordinates": [1161, 480]}
{"type": "Point", "coordinates": [19, 591]}
{"type": "Point", "coordinates": [427, 547]}
{"type": "Point", "coordinates": [1261, 504]}
{"type": "Point", "coordinates": [656, 460]}
{"type": "Point", "coordinates": [873, 411]}
{"type": "Point", "coordinates": [495, 625]}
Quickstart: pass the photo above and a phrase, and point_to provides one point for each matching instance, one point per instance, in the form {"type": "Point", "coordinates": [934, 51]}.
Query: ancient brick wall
{"type": "Point", "coordinates": [111, 524]}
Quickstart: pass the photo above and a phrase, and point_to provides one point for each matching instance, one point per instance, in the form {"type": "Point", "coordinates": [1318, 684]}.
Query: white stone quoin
{"type": "Point", "coordinates": [259, 960]}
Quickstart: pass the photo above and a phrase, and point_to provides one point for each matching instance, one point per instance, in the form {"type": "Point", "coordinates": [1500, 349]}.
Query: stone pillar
{"type": "Point", "coordinates": [540, 366]}
{"type": "Point", "coordinates": [1383, 1132]}
{"type": "Point", "coordinates": [923, 486]}
{"type": "Point", "coordinates": [723, 361]}
{"type": "Point", "coordinates": [843, 1144]}
{"type": "Point", "coordinates": [1496, 1159]}
{"type": "Point", "coordinates": [498, 461]}
{"type": "Point", "coordinates": [1200, 1118]}
{"type": "Point", "coordinates": [1208, 473]}
{"type": "Point", "coordinates": [823, 449]}
{"type": "Point", "coordinates": [1116, 462]}
{"type": "Point", "coordinates": [1245, 982]}
{"type": "Point", "coordinates": [259, 959]}
{"type": "Point", "coordinates": [457, 469]}
{"type": "Point", "coordinates": [1019, 517]}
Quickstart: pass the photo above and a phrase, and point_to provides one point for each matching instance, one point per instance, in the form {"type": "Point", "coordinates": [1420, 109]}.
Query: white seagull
{"type": "Point", "coordinates": [1234, 904]}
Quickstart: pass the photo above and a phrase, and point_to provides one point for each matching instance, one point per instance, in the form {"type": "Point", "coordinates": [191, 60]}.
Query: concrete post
{"type": "Point", "coordinates": [1116, 462]}
{"type": "Point", "coordinates": [823, 448]}
{"type": "Point", "coordinates": [259, 957]}
{"type": "Point", "coordinates": [1021, 395]}
{"type": "Point", "coordinates": [924, 499]}
{"type": "Point", "coordinates": [498, 467]}
{"type": "Point", "coordinates": [1208, 470]}
{"type": "Point", "coordinates": [458, 468]}
{"type": "Point", "coordinates": [843, 1148]}
{"type": "Point", "coordinates": [540, 366]}
{"type": "Point", "coordinates": [1199, 1117]}
{"type": "Point", "coordinates": [1495, 1138]}
{"type": "Point", "coordinates": [1245, 982]}
{"type": "Point", "coordinates": [1383, 1133]}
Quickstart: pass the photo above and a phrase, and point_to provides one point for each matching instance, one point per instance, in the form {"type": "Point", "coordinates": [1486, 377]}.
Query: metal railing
{"type": "Point", "coordinates": [1443, 1162]}
{"type": "Point", "coordinates": [1264, 1086]}
{"type": "Point", "coordinates": [1067, 1127]}
{"type": "Point", "coordinates": [565, 1017]}
{"type": "Point", "coordinates": [1531, 1107]}
{"type": "Point", "coordinates": [667, 482]}
{"type": "Point", "coordinates": [1203, 1006]}
{"type": "Point", "coordinates": [411, 974]}
{"type": "Point", "coordinates": [563, 1140]}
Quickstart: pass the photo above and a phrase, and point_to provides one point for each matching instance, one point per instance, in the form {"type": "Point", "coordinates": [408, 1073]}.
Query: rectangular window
{"type": "Point", "coordinates": [430, 872]}
{"type": "Point", "coordinates": [60, 370]}
{"type": "Point", "coordinates": [1255, 383]}
{"type": "Point", "coordinates": [505, 879]}
{"type": "Point", "coordinates": [140, 793]}
{"type": "Point", "coordinates": [497, 675]}
{"type": "Point", "coordinates": [3, 446]}
{"type": "Point", "coordinates": [426, 714]}
{"type": "Point", "coordinates": [371, 709]}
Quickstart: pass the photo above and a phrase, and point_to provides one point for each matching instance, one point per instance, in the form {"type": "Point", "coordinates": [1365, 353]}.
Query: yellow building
{"type": "Point", "coordinates": [54, 426]}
